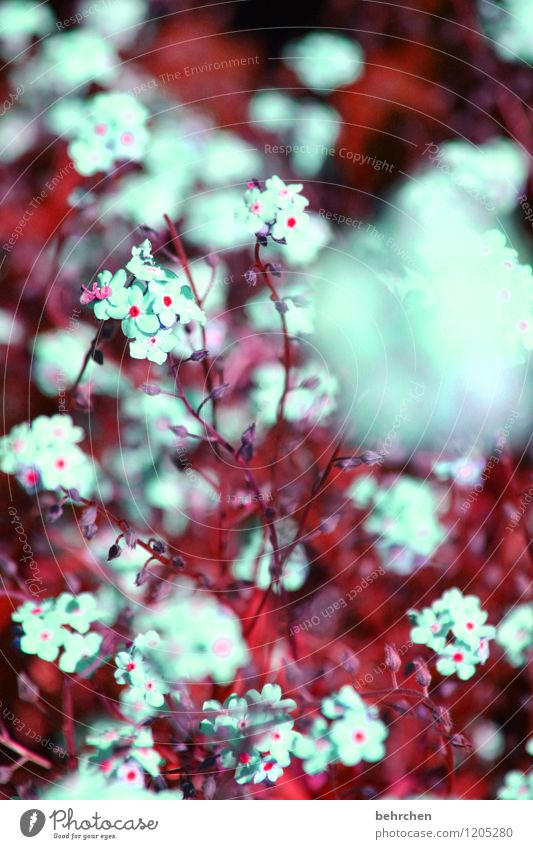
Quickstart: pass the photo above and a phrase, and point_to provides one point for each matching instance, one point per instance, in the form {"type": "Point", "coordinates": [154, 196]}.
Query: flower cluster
{"type": "Point", "coordinates": [124, 751]}
{"type": "Point", "coordinates": [464, 471]}
{"type": "Point", "coordinates": [45, 454]}
{"type": "Point", "coordinates": [255, 732]}
{"type": "Point", "coordinates": [511, 285]}
{"type": "Point", "coordinates": [310, 127]}
{"type": "Point", "coordinates": [404, 517]}
{"type": "Point", "coordinates": [515, 634]}
{"type": "Point", "coordinates": [325, 60]}
{"type": "Point", "coordinates": [111, 130]}
{"type": "Point", "coordinates": [202, 637]}
{"type": "Point", "coordinates": [275, 209]}
{"type": "Point", "coordinates": [493, 173]}
{"type": "Point", "coordinates": [468, 644]}
{"type": "Point", "coordinates": [71, 60]}
{"type": "Point", "coordinates": [517, 786]}
{"type": "Point", "coordinates": [134, 671]}
{"type": "Point", "coordinates": [20, 21]}
{"type": "Point", "coordinates": [91, 782]}
{"type": "Point", "coordinates": [354, 734]}
{"type": "Point", "coordinates": [62, 623]}
{"type": "Point", "coordinates": [510, 26]}
{"type": "Point", "coordinates": [150, 302]}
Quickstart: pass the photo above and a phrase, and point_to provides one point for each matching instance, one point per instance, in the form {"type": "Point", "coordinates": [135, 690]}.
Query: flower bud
{"type": "Point", "coordinates": [392, 658]}
{"type": "Point", "coordinates": [150, 389]}
{"type": "Point", "coordinates": [114, 552]}
{"type": "Point", "coordinates": [179, 430]}
{"type": "Point", "coordinates": [422, 674]}
{"type": "Point", "coordinates": [198, 356]}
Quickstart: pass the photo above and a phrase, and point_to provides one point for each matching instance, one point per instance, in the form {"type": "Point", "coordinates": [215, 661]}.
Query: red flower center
{"type": "Point", "coordinates": [359, 736]}
{"type": "Point", "coordinates": [130, 666]}
{"type": "Point", "coordinates": [291, 222]}
{"type": "Point", "coordinates": [458, 657]}
{"type": "Point", "coordinates": [60, 463]}
{"type": "Point", "coordinates": [469, 626]}
{"type": "Point", "coordinates": [134, 311]}
{"type": "Point", "coordinates": [131, 775]}
{"type": "Point", "coordinates": [31, 477]}
{"type": "Point", "coordinates": [245, 758]}
{"type": "Point", "coordinates": [268, 766]}
{"type": "Point", "coordinates": [167, 300]}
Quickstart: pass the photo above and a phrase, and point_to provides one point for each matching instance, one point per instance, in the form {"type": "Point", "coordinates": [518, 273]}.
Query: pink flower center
{"type": "Point", "coordinates": [45, 636]}
{"type": "Point", "coordinates": [37, 610]}
{"type": "Point", "coordinates": [458, 657]}
{"type": "Point", "coordinates": [31, 477]}
{"type": "Point", "coordinates": [167, 300]}
{"type": "Point", "coordinates": [469, 626]}
{"type": "Point", "coordinates": [435, 628]}
{"type": "Point", "coordinates": [276, 735]}
{"type": "Point", "coordinates": [523, 325]}
{"type": "Point", "coordinates": [359, 736]}
{"type": "Point", "coordinates": [222, 647]}
{"type": "Point", "coordinates": [291, 222]}
{"type": "Point", "coordinates": [131, 775]}
{"type": "Point", "coordinates": [134, 311]}
{"type": "Point", "coordinates": [130, 666]}
{"type": "Point", "coordinates": [126, 138]}
{"type": "Point", "coordinates": [256, 208]}
{"type": "Point", "coordinates": [149, 685]}
{"type": "Point", "coordinates": [60, 463]}
{"type": "Point", "coordinates": [152, 341]}
{"type": "Point", "coordinates": [17, 445]}
{"type": "Point", "coordinates": [100, 129]}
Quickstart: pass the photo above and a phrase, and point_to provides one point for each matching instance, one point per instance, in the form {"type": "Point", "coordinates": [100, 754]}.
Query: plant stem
{"type": "Point", "coordinates": [180, 250]}
{"type": "Point", "coordinates": [287, 360]}
{"type": "Point", "coordinates": [6, 741]}
{"type": "Point", "coordinates": [316, 490]}
{"type": "Point", "coordinates": [218, 438]}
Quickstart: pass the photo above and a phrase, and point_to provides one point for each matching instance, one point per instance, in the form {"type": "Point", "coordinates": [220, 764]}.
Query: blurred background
{"type": "Point", "coordinates": [409, 126]}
